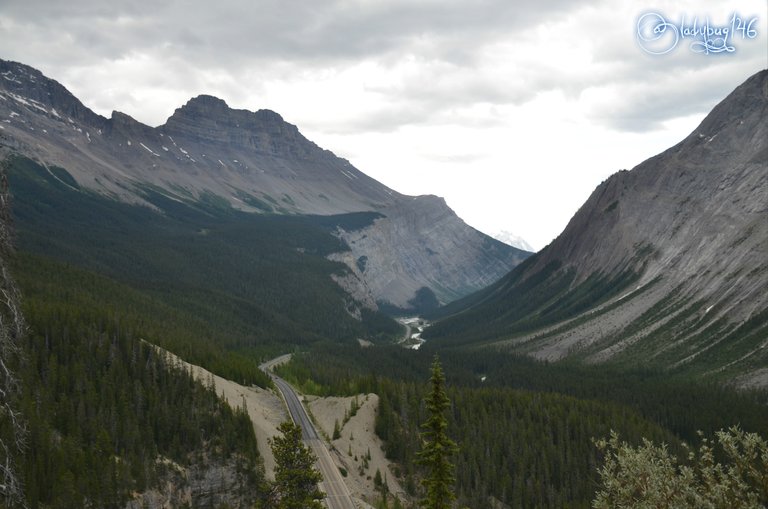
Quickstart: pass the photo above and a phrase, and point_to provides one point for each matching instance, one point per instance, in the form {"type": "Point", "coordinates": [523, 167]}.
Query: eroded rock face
{"type": "Point", "coordinates": [421, 243]}
{"type": "Point", "coordinates": [208, 484]}
{"type": "Point", "coordinates": [700, 208]}
{"type": "Point", "coordinates": [258, 163]}
{"type": "Point", "coordinates": [679, 244]}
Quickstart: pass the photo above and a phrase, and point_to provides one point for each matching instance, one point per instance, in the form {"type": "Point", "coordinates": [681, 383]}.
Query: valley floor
{"type": "Point", "coordinates": [358, 437]}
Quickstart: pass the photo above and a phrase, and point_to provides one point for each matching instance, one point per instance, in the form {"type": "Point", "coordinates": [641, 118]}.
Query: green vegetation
{"type": "Point", "coordinates": [107, 416]}
{"type": "Point", "coordinates": [528, 299]}
{"type": "Point", "coordinates": [424, 301]}
{"type": "Point", "coordinates": [12, 328]}
{"type": "Point", "coordinates": [526, 432]}
{"type": "Point", "coordinates": [436, 448]}
{"type": "Point", "coordinates": [295, 476]}
{"type": "Point", "coordinates": [649, 476]}
{"type": "Point", "coordinates": [254, 201]}
{"type": "Point", "coordinates": [50, 284]}
{"type": "Point", "coordinates": [738, 346]}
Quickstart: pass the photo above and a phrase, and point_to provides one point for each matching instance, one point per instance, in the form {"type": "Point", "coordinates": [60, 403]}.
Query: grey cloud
{"type": "Point", "coordinates": [294, 30]}
{"type": "Point", "coordinates": [382, 120]}
{"type": "Point", "coordinates": [649, 98]}
{"type": "Point", "coordinates": [655, 89]}
{"type": "Point", "coordinates": [253, 41]}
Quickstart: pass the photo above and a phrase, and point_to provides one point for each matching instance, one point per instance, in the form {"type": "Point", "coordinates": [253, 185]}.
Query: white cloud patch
{"type": "Point", "coordinates": [512, 110]}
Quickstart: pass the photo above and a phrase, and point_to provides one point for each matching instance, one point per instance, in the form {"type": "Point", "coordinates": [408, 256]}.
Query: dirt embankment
{"type": "Point", "coordinates": [358, 450]}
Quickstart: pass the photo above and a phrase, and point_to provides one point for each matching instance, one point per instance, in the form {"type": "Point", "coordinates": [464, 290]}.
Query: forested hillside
{"type": "Point", "coordinates": [525, 429]}
{"type": "Point", "coordinates": [106, 420]}
{"type": "Point", "coordinates": [212, 284]}
{"type": "Point", "coordinates": [109, 418]}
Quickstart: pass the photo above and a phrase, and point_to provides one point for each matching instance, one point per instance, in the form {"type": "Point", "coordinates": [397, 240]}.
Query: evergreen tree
{"type": "Point", "coordinates": [295, 477]}
{"type": "Point", "coordinates": [12, 427]}
{"type": "Point", "coordinates": [437, 448]}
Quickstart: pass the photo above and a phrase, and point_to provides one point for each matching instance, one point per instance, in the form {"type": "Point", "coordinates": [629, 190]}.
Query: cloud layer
{"type": "Point", "coordinates": [444, 84]}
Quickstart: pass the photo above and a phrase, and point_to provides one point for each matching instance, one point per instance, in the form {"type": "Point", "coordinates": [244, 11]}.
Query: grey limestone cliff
{"type": "Point", "coordinates": [419, 243]}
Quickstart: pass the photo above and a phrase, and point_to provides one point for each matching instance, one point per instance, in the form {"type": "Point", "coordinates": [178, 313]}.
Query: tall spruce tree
{"type": "Point", "coordinates": [436, 447]}
{"type": "Point", "coordinates": [12, 328]}
{"type": "Point", "coordinates": [295, 476]}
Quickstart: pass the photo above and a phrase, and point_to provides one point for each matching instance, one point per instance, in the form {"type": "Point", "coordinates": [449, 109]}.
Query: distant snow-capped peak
{"type": "Point", "coordinates": [513, 240]}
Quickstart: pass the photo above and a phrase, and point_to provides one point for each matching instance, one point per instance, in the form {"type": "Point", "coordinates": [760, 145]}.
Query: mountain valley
{"type": "Point", "coordinates": [207, 153]}
{"type": "Point", "coordinates": [158, 267]}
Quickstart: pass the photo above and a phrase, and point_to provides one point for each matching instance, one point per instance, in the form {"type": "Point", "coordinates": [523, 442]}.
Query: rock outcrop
{"type": "Point", "coordinates": [208, 484]}
{"type": "Point", "coordinates": [419, 244]}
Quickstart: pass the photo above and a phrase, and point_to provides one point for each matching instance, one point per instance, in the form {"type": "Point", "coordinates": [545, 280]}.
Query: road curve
{"type": "Point", "coordinates": [336, 492]}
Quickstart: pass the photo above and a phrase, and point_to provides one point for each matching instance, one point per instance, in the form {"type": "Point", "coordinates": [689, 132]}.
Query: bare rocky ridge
{"type": "Point", "coordinates": [420, 245]}
{"type": "Point", "coordinates": [255, 162]}
{"type": "Point", "coordinates": [679, 246]}
{"type": "Point", "coordinates": [700, 210]}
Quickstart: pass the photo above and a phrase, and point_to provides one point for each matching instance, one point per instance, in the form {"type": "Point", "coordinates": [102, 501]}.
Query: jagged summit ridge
{"type": "Point", "coordinates": [253, 161]}
{"type": "Point", "coordinates": [28, 87]}
{"type": "Point", "coordinates": [213, 107]}
{"type": "Point", "coordinates": [208, 120]}
{"type": "Point", "coordinates": [256, 152]}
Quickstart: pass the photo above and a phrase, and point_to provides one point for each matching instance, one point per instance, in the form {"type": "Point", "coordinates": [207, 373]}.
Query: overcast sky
{"type": "Point", "coordinates": [512, 111]}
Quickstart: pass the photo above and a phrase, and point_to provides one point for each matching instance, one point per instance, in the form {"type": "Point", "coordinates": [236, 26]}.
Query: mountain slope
{"type": "Point", "coordinates": [251, 161]}
{"type": "Point", "coordinates": [101, 417]}
{"type": "Point", "coordinates": [239, 281]}
{"type": "Point", "coordinates": [665, 264]}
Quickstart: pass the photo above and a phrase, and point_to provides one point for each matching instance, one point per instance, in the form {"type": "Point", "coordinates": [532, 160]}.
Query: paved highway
{"type": "Point", "coordinates": [336, 492]}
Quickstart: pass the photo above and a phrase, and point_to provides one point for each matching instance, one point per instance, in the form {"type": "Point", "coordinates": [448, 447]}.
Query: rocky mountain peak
{"type": "Point", "coordinates": [209, 120]}
{"type": "Point", "coordinates": [511, 239]}
{"type": "Point", "coordinates": [121, 124]}
{"type": "Point", "coordinates": [206, 106]}
{"type": "Point", "coordinates": [253, 161]}
{"type": "Point", "coordinates": [616, 220]}
{"type": "Point", "coordinates": [28, 87]}
{"type": "Point", "coordinates": [202, 107]}
{"type": "Point", "coordinates": [206, 102]}
{"type": "Point", "coordinates": [739, 104]}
